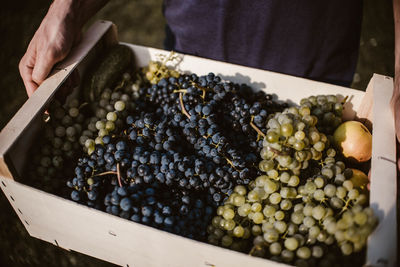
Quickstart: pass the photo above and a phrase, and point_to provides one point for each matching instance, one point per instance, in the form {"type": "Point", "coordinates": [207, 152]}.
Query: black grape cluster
{"type": "Point", "coordinates": [151, 203]}
{"type": "Point", "coordinates": [188, 143]}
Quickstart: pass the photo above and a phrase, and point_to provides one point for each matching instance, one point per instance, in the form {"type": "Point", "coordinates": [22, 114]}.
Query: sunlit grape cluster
{"type": "Point", "coordinates": [304, 204]}
{"type": "Point", "coordinates": [292, 141]}
{"type": "Point", "coordinates": [156, 71]}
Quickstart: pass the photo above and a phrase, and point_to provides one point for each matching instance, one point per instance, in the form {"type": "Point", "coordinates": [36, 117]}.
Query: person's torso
{"type": "Point", "coordinates": [308, 38]}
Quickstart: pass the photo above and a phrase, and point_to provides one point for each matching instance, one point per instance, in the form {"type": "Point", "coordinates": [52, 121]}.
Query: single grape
{"type": "Point", "coordinates": [291, 243]}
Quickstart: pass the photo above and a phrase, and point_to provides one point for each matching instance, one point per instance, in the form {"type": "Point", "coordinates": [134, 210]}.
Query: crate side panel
{"type": "Point", "coordinates": [382, 244]}
{"type": "Point", "coordinates": [117, 240]}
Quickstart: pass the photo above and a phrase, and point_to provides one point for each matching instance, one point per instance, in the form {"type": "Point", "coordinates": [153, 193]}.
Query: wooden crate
{"type": "Point", "coordinates": [76, 227]}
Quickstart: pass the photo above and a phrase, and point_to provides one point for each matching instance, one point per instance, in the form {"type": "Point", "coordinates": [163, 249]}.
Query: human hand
{"type": "Point", "coordinates": [53, 40]}
{"type": "Point", "coordinates": [395, 103]}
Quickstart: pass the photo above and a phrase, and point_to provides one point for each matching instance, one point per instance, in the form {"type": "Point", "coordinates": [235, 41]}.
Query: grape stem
{"type": "Point", "coordinates": [119, 175]}
{"type": "Point", "coordinates": [180, 91]}
{"type": "Point", "coordinates": [256, 128]}
{"type": "Point", "coordinates": [280, 153]}
{"type": "Point", "coordinates": [119, 86]}
{"type": "Point", "coordinates": [345, 99]}
{"type": "Point", "coordinates": [183, 106]}
{"type": "Point", "coordinates": [254, 248]}
{"type": "Point", "coordinates": [230, 162]}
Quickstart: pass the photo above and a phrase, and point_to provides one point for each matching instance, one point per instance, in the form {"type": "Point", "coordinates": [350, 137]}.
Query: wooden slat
{"type": "Point", "coordinates": [382, 244]}
{"type": "Point", "coordinates": [114, 239]}
{"type": "Point", "coordinates": [364, 112]}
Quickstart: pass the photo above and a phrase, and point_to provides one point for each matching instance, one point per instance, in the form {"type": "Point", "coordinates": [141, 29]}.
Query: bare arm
{"type": "Point", "coordinates": [59, 30]}
{"type": "Point", "coordinates": [396, 93]}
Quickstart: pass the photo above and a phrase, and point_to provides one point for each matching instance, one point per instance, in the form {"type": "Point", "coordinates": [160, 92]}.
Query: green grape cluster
{"type": "Point", "coordinates": [327, 109]}
{"type": "Point", "coordinates": [292, 141]}
{"type": "Point", "coordinates": [292, 214]}
{"type": "Point", "coordinates": [63, 125]}
{"type": "Point", "coordinates": [155, 71]}
{"type": "Point", "coordinates": [110, 113]}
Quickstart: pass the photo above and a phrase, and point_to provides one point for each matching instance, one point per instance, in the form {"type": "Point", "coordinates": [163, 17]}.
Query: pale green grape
{"type": "Point", "coordinates": [257, 217]}
{"type": "Point", "coordinates": [280, 226]}
{"type": "Point", "coordinates": [73, 112]}
{"type": "Point", "coordinates": [244, 210]}
{"type": "Point", "coordinates": [239, 200]}
{"type": "Point", "coordinates": [111, 116]}
{"type": "Point", "coordinates": [291, 243]}
{"type": "Point", "coordinates": [294, 180]}
{"type": "Point", "coordinates": [255, 207]}
{"type": "Point", "coordinates": [269, 211]}
{"type": "Point", "coordinates": [360, 218]}
{"type": "Point", "coordinates": [286, 204]}
{"type": "Point", "coordinates": [256, 230]}
{"type": "Point", "coordinates": [271, 235]}
{"type": "Point", "coordinates": [297, 217]}
{"type": "Point", "coordinates": [319, 195]}
{"type": "Point", "coordinates": [353, 194]}
{"type": "Point", "coordinates": [317, 252]}
{"type": "Point", "coordinates": [270, 186]}
{"type": "Point", "coordinates": [279, 215]}
{"type": "Point", "coordinates": [228, 214]}
{"type": "Point", "coordinates": [341, 192]}
{"type": "Point", "coordinates": [308, 221]}
{"type": "Point", "coordinates": [229, 225]}
{"type": "Point", "coordinates": [318, 212]}
{"type": "Point", "coordinates": [119, 105]}
{"type": "Point", "coordinates": [330, 190]}
{"type": "Point", "coordinates": [346, 248]}
{"type": "Point", "coordinates": [238, 231]}
{"type": "Point", "coordinates": [308, 208]}
{"type": "Point", "coordinates": [100, 125]}
{"type": "Point", "coordinates": [240, 189]}
{"type": "Point", "coordinates": [226, 241]}
{"type": "Point", "coordinates": [272, 137]}
{"type": "Point", "coordinates": [314, 231]}
{"type": "Point", "coordinates": [303, 252]}
{"type": "Point", "coordinates": [275, 198]}
{"type": "Point", "coordinates": [275, 248]}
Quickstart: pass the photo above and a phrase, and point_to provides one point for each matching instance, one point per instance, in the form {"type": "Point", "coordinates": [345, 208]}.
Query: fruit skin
{"type": "Point", "coordinates": [354, 140]}
{"type": "Point", "coordinates": [359, 179]}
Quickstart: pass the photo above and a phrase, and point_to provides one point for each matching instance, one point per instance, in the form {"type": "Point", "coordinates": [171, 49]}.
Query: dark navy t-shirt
{"type": "Point", "coordinates": [309, 38]}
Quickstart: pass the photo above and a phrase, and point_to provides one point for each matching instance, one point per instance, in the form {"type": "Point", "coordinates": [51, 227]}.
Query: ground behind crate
{"type": "Point", "coordinates": [139, 22]}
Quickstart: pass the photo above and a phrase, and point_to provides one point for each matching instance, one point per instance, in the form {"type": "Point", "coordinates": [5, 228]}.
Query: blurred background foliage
{"type": "Point", "coordinates": [139, 22]}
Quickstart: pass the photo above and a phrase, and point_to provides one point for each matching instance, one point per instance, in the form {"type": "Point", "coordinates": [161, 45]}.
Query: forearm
{"type": "Point", "coordinates": [87, 9]}
{"type": "Point", "coordinates": [395, 102]}
{"type": "Point", "coordinates": [78, 11]}
{"type": "Point", "coordinates": [396, 14]}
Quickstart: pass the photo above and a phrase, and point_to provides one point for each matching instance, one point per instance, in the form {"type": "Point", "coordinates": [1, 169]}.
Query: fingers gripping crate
{"type": "Point", "coordinates": [76, 227]}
